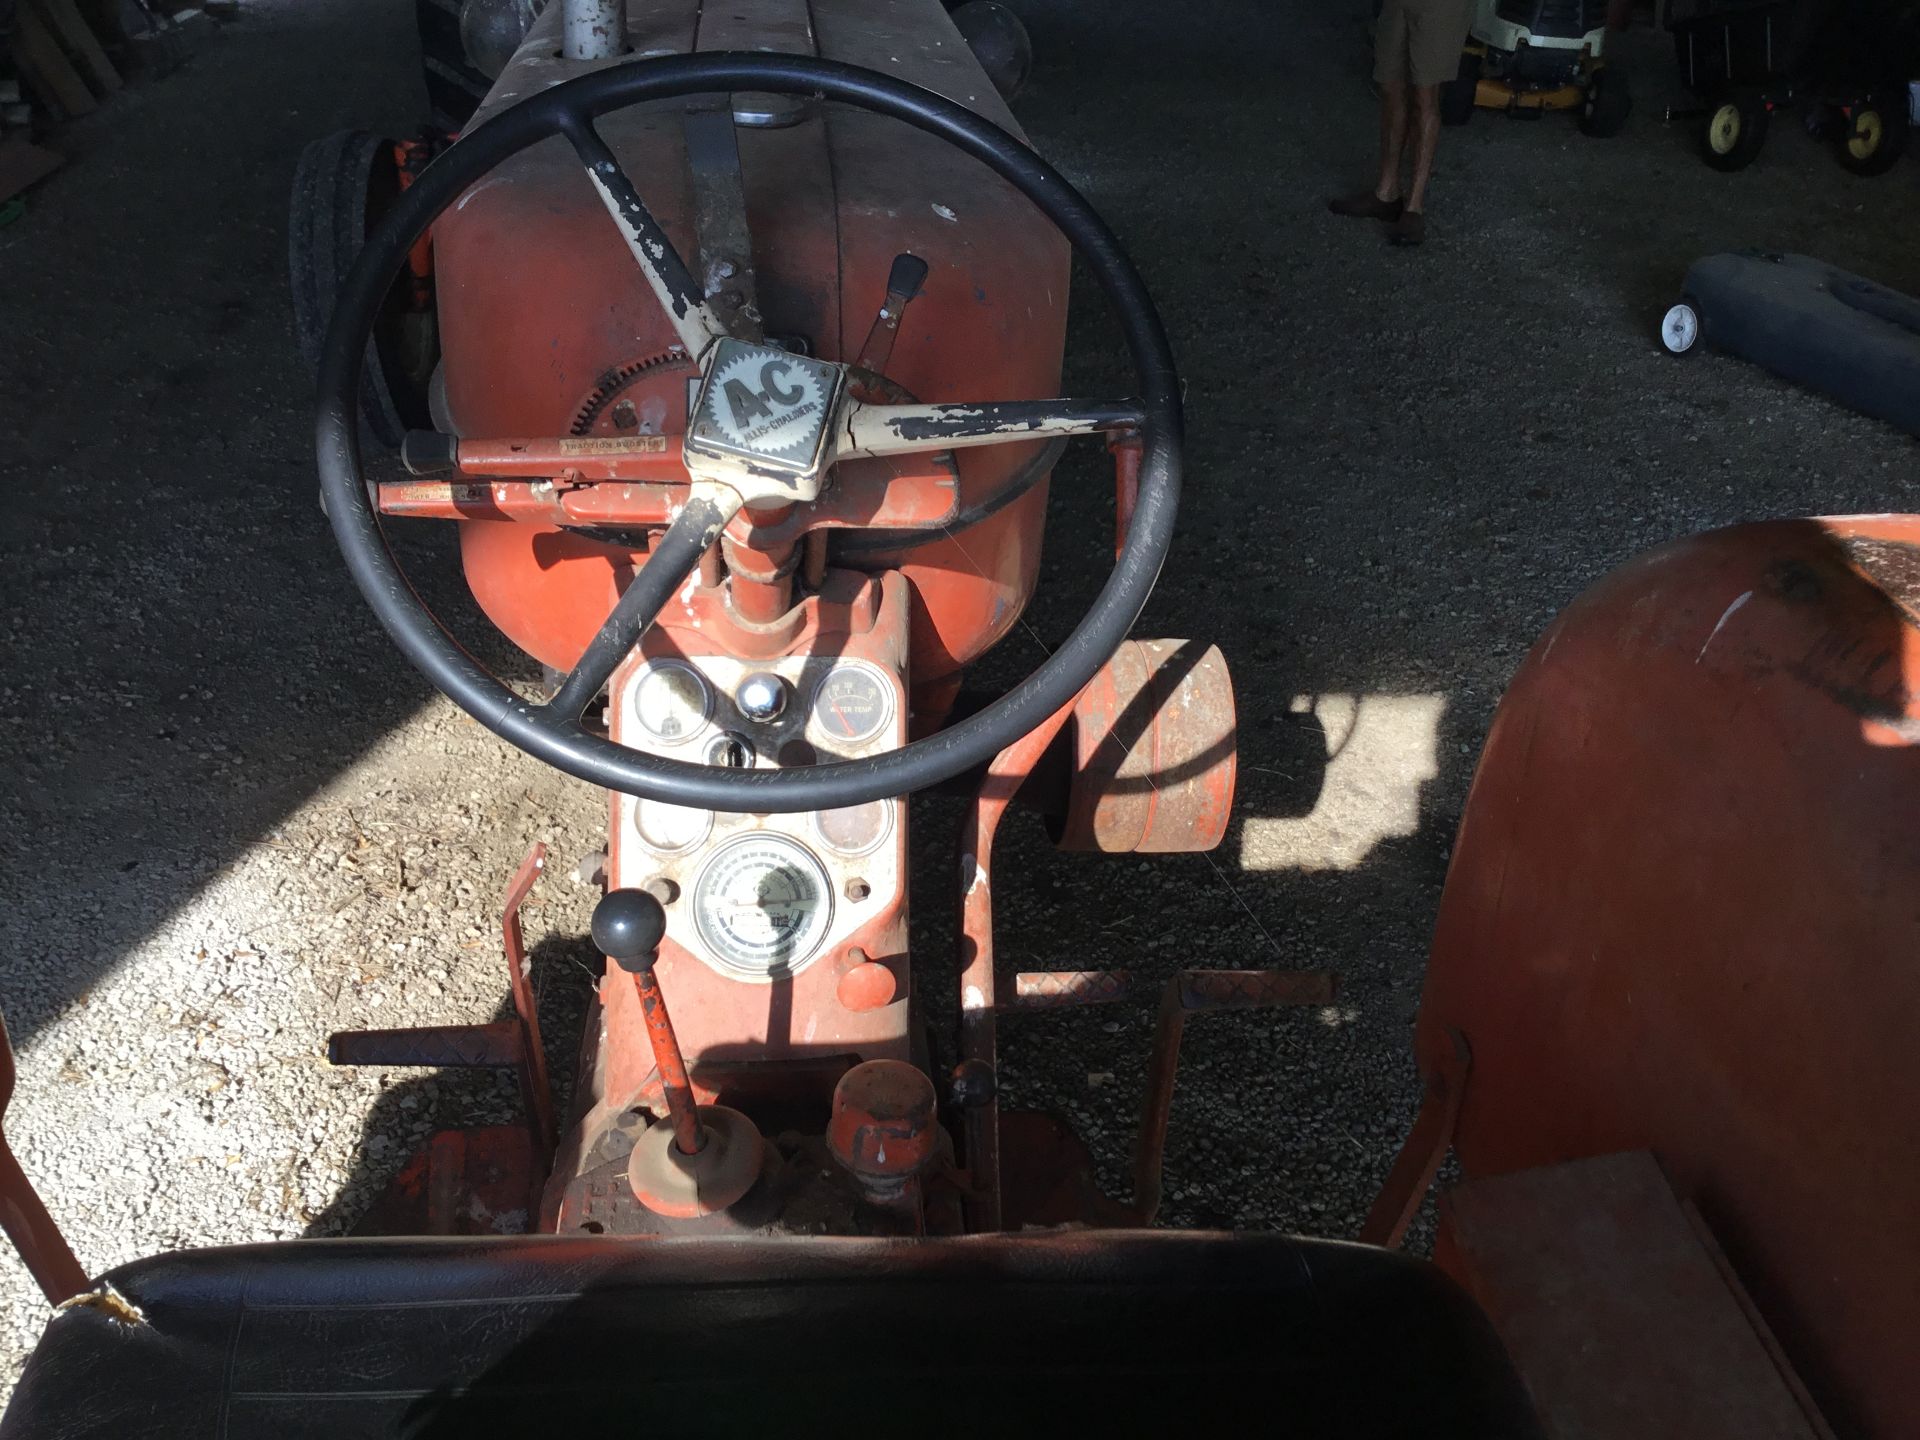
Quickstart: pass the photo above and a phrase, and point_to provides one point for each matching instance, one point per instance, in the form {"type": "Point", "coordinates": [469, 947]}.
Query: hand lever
{"type": "Point", "coordinates": [904, 280]}
{"type": "Point", "coordinates": [628, 926]}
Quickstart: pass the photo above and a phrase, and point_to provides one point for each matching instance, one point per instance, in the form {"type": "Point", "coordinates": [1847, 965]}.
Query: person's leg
{"type": "Point", "coordinates": [1390, 73]}
{"type": "Point", "coordinates": [1436, 31]}
{"type": "Point", "coordinates": [1393, 135]}
{"type": "Point", "coordinates": [1426, 140]}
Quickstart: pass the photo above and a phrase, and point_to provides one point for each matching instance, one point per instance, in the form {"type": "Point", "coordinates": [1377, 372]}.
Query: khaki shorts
{"type": "Point", "coordinates": [1420, 40]}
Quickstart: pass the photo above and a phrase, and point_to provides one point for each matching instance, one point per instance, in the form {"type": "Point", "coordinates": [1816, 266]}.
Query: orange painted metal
{"type": "Point", "coordinates": [42, 1248]}
{"type": "Point", "coordinates": [867, 986]}
{"type": "Point", "coordinates": [460, 1182]}
{"type": "Point", "coordinates": [979, 1036]}
{"type": "Point", "coordinates": [884, 1128]}
{"type": "Point", "coordinates": [1658, 1340]}
{"type": "Point", "coordinates": [536, 1093]}
{"type": "Point", "coordinates": [667, 1059]}
{"type": "Point", "coordinates": [723, 1023]}
{"type": "Point", "coordinates": [1067, 989]}
{"type": "Point", "coordinates": [645, 458]}
{"type": "Point", "coordinates": [1681, 917]}
{"type": "Point", "coordinates": [1154, 751]}
{"type": "Point", "coordinates": [760, 584]}
{"type": "Point", "coordinates": [1192, 992]}
{"type": "Point", "coordinates": [1424, 1150]}
{"type": "Point", "coordinates": [532, 502]}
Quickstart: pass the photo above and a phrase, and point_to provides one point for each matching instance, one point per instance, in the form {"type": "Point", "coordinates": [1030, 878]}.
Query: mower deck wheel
{"type": "Point", "coordinates": [1871, 140]}
{"type": "Point", "coordinates": [1606, 105]}
{"type": "Point", "coordinates": [1735, 129]}
{"type": "Point", "coordinates": [1680, 329]}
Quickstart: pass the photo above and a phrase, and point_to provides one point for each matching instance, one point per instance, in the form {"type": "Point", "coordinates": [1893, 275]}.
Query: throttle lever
{"type": "Point", "coordinates": [904, 282]}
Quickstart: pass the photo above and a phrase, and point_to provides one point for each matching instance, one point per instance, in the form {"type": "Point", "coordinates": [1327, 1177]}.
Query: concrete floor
{"type": "Point", "coordinates": [235, 820]}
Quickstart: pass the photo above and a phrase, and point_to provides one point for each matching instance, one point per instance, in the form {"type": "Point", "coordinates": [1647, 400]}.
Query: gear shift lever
{"type": "Point", "coordinates": [628, 926]}
{"type": "Point", "coordinates": [707, 1156]}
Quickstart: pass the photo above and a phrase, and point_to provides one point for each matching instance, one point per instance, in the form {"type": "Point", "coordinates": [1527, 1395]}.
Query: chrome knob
{"type": "Point", "coordinates": [761, 697]}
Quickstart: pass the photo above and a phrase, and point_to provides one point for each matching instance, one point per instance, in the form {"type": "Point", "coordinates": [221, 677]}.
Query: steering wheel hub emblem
{"type": "Point", "coordinates": [763, 414]}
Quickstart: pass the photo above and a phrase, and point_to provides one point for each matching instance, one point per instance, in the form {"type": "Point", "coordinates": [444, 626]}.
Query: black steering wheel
{"type": "Point", "coordinates": [553, 732]}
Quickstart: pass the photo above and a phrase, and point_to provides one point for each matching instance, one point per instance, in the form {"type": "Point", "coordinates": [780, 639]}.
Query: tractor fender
{"type": "Point", "coordinates": [1683, 915]}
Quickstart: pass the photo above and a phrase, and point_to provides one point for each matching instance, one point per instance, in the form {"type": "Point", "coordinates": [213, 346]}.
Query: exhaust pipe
{"type": "Point", "coordinates": [594, 29]}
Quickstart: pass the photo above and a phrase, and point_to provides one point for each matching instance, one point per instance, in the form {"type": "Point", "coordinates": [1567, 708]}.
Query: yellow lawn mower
{"type": "Point", "coordinates": [1526, 57]}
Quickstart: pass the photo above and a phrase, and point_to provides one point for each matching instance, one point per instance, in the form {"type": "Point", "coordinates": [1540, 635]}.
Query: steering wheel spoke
{"type": "Point", "coordinates": [672, 559]}
{"type": "Point", "coordinates": [679, 294]}
{"type": "Point", "coordinates": [907, 429]}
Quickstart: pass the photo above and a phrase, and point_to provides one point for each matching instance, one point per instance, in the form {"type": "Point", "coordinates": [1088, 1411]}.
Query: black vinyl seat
{"type": "Point", "coordinates": [1062, 1332]}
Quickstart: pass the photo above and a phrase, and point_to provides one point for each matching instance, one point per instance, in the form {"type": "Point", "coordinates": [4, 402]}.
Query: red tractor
{"type": "Point", "coordinates": [751, 324]}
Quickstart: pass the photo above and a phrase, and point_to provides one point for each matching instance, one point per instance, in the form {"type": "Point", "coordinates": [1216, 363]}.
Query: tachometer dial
{"type": "Point", "coordinates": [671, 702]}
{"type": "Point", "coordinates": [762, 906]}
{"type": "Point", "coordinates": [852, 704]}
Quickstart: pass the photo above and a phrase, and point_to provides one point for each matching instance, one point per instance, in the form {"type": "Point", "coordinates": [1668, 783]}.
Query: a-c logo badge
{"type": "Point", "coordinates": [768, 401]}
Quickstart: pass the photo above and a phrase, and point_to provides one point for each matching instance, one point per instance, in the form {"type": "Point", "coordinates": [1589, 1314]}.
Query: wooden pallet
{"type": "Point", "coordinates": [61, 58]}
{"type": "Point", "coordinates": [1620, 1313]}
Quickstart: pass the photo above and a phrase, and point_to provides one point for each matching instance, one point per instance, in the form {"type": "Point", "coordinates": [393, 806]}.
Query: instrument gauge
{"type": "Point", "coordinates": [762, 906]}
{"type": "Point", "coordinates": [852, 704]}
{"type": "Point", "coordinates": [856, 829]}
{"type": "Point", "coordinates": [670, 829]}
{"type": "Point", "coordinates": [671, 702]}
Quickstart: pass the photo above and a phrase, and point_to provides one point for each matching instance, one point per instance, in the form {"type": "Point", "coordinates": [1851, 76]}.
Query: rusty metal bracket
{"type": "Point", "coordinates": [1193, 992]}
{"type": "Point", "coordinates": [1425, 1147]}
{"type": "Point", "coordinates": [502, 1044]}
{"type": "Point", "coordinates": [979, 1007]}
{"type": "Point", "coordinates": [1067, 989]}
{"type": "Point", "coordinates": [49, 1259]}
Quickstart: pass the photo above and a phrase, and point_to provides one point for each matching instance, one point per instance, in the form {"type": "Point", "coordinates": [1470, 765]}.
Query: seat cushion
{"type": "Point", "coordinates": [977, 1336]}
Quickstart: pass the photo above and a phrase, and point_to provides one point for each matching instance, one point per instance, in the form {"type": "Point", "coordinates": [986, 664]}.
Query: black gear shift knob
{"type": "Point", "coordinates": [628, 926]}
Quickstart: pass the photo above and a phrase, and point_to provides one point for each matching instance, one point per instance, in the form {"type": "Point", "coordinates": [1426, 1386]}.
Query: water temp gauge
{"type": "Point", "coordinates": [762, 905]}
{"type": "Point", "coordinates": [852, 704]}
{"type": "Point", "coordinates": [671, 701]}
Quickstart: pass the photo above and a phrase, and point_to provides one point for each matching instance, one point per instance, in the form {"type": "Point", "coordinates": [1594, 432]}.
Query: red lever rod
{"type": "Point", "coordinates": [687, 1136]}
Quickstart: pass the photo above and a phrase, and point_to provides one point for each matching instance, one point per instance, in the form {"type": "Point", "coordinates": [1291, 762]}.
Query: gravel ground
{"type": "Point", "coordinates": [236, 821]}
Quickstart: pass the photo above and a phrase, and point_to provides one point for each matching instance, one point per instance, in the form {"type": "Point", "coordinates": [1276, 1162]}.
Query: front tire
{"type": "Point", "coordinates": [341, 187]}
{"type": "Point", "coordinates": [1604, 112]}
{"type": "Point", "coordinates": [1872, 139]}
{"type": "Point", "coordinates": [1735, 130]}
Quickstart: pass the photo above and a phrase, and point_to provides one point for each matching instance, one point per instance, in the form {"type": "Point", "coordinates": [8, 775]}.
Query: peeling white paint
{"type": "Point", "coordinates": [945, 214]}
{"type": "Point", "coordinates": [1721, 623]}
{"type": "Point", "coordinates": [973, 872]}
